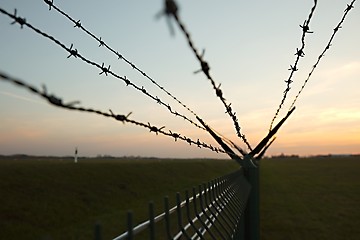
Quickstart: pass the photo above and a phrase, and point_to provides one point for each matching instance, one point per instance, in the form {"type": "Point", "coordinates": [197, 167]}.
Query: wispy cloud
{"type": "Point", "coordinates": [344, 70]}
{"type": "Point", "coordinates": [12, 95]}
{"type": "Point", "coordinates": [340, 115]}
{"type": "Point", "coordinates": [334, 78]}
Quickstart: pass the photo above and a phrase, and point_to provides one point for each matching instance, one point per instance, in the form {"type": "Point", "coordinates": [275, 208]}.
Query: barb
{"type": "Point", "coordinates": [293, 68]}
{"type": "Point", "coordinates": [19, 20]}
{"type": "Point", "coordinates": [103, 69]}
{"type": "Point", "coordinates": [327, 47]}
{"type": "Point", "coordinates": [56, 101]}
{"type": "Point", "coordinates": [171, 9]}
{"type": "Point", "coordinates": [102, 43]}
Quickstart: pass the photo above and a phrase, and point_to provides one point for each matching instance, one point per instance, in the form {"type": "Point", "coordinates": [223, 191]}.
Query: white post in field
{"type": "Point", "coordinates": [76, 157]}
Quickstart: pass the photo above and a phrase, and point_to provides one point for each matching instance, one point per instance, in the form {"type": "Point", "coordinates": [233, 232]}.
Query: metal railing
{"type": "Point", "coordinates": [213, 210]}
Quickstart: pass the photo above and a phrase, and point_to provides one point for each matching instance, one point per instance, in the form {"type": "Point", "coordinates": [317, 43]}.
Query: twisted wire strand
{"type": "Point", "coordinates": [327, 47]}
{"type": "Point", "coordinates": [101, 42]}
{"type": "Point", "coordinates": [172, 10]}
{"type": "Point", "coordinates": [104, 70]}
{"type": "Point", "coordinates": [293, 68]}
{"type": "Point", "coordinates": [56, 101]}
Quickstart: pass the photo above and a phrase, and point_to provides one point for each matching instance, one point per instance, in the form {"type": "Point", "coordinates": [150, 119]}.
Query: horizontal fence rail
{"type": "Point", "coordinates": [213, 211]}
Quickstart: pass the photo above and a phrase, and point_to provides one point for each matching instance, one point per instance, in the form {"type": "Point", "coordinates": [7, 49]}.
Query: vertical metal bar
{"type": "Point", "coordinates": [208, 216]}
{"type": "Point", "coordinates": [167, 217]}
{"type": "Point", "coordinates": [240, 200]}
{"type": "Point", "coordinates": [179, 215]}
{"type": "Point", "coordinates": [240, 229]}
{"type": "Point", "coordinates": [229, 195]}
{"type": "Point", "coordinates": [224, 193]}
{"type": "Point", "coordinates": [214, 202]}
{"type": "Point", "coordinates": [97, 231]}
{"type": "Point", "coordinates": [232, 189]}
{"type": "Point", "coordinates": [152, 222]}
{"type": "Point", "coordinates": [199, 217]}
{"type": "Point", "coordinates": [252, 212]}
{"type": "Point", "coordinates": [221, 203]}
{"type": "Point", "coordinates": [220, 200]}
{"type": "Point", "coordinates": [234, 192]}
{"type": "Point", "coordinates": [209, 204]}
{"type": "Point", "coordinates": [130, 225]}
{"type": "Point", "coordinates": [187, 204]}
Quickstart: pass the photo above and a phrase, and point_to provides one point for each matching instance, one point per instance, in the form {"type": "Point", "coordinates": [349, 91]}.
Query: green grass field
{"type": "Point", "coordinates": [56, 199]}
{"type": "Point", "coordinates": [315, 198]}
{"type": "Point", "coordinates": [44, 198]}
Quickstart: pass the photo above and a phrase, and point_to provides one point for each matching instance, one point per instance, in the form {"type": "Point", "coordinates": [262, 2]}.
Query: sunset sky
{"type": "Point", "coordinates": [249, 47]}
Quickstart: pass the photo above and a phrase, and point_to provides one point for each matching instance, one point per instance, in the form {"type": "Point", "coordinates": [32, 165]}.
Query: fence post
{"type": "Point", "coordinates": [252, 210]}
{"type": "Point", "coordinates": [130, 235]}
{"type": "Point", "coordinates": [152, 221]}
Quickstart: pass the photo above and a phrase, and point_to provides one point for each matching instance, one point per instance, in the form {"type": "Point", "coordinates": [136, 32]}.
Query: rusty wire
{"type": "Point", "coordinates": [293, 68]}
{"type": "Point", "coordinates": [171, 9]}
{"type": "Point", "coordinates": [327, 47]}
{"type": "Point", "coordinates": [56, 101]}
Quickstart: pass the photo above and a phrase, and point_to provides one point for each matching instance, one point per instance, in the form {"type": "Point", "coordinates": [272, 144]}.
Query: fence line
{"type": "Point", "coordinates": [218, 206]}
{"type": "Point", "coordinates": [73, 52]}
{"type": "Point", "coordinates": [300, 53]}
{"type": "Point", "coordinates": [327, 47]}
{"type": "Point", "coordinates": [102, 43]}
{"type": "Point", "coordinates": [293, 68]}
{"type": "Point", "coordinates": [216, 209]}
{"type": "Point", "coordinates": [171, 9]}
{"type": "Point", "coordinates": [56, 101]}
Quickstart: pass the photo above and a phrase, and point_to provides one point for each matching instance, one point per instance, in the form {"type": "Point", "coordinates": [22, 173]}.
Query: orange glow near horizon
{"type": "Point", "coordinates": [248, 56]}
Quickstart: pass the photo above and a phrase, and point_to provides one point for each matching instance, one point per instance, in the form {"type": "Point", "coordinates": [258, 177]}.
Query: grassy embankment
{"type": "Point", "coordinates": [53, 199]}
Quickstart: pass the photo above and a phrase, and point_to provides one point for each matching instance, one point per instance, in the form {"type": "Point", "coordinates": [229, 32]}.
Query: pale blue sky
{"type": "Point", "coordinates": [249, 46]}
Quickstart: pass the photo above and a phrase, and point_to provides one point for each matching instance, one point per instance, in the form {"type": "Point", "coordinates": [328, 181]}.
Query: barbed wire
{"type": "Point", "coordinates": [73, 52]}
{"type": "Point", "coordinates": [327, 47]}
{"type": "Point", "coordinates": [171, 9]}
{"type": "Point", "coordinates": [102, 43]}
{"type": "Point", "coordinates": [56, 101]}
{"type": "Point", "coordinates": [293, 68]}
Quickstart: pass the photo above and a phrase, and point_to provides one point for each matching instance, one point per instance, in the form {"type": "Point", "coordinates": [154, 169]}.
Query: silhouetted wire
{"type": "Point", "coordinates": [171, 9]}
{"type": "Point", "coordinates": [104, 70]}
{"type": "Point", "coordinates": [119, 56]}
{"type": "Point", "coordinates": [327, 47]}
{"type": "Point", "coordinates": [56, 101]}
{"type": "Point", "coordinates": [293, 68]}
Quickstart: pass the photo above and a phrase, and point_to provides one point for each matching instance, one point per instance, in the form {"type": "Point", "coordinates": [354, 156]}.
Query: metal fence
{"type": "Point", "coordinates": [212, 210]}
{"type": "Point", "coordinates": [224, 208]}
